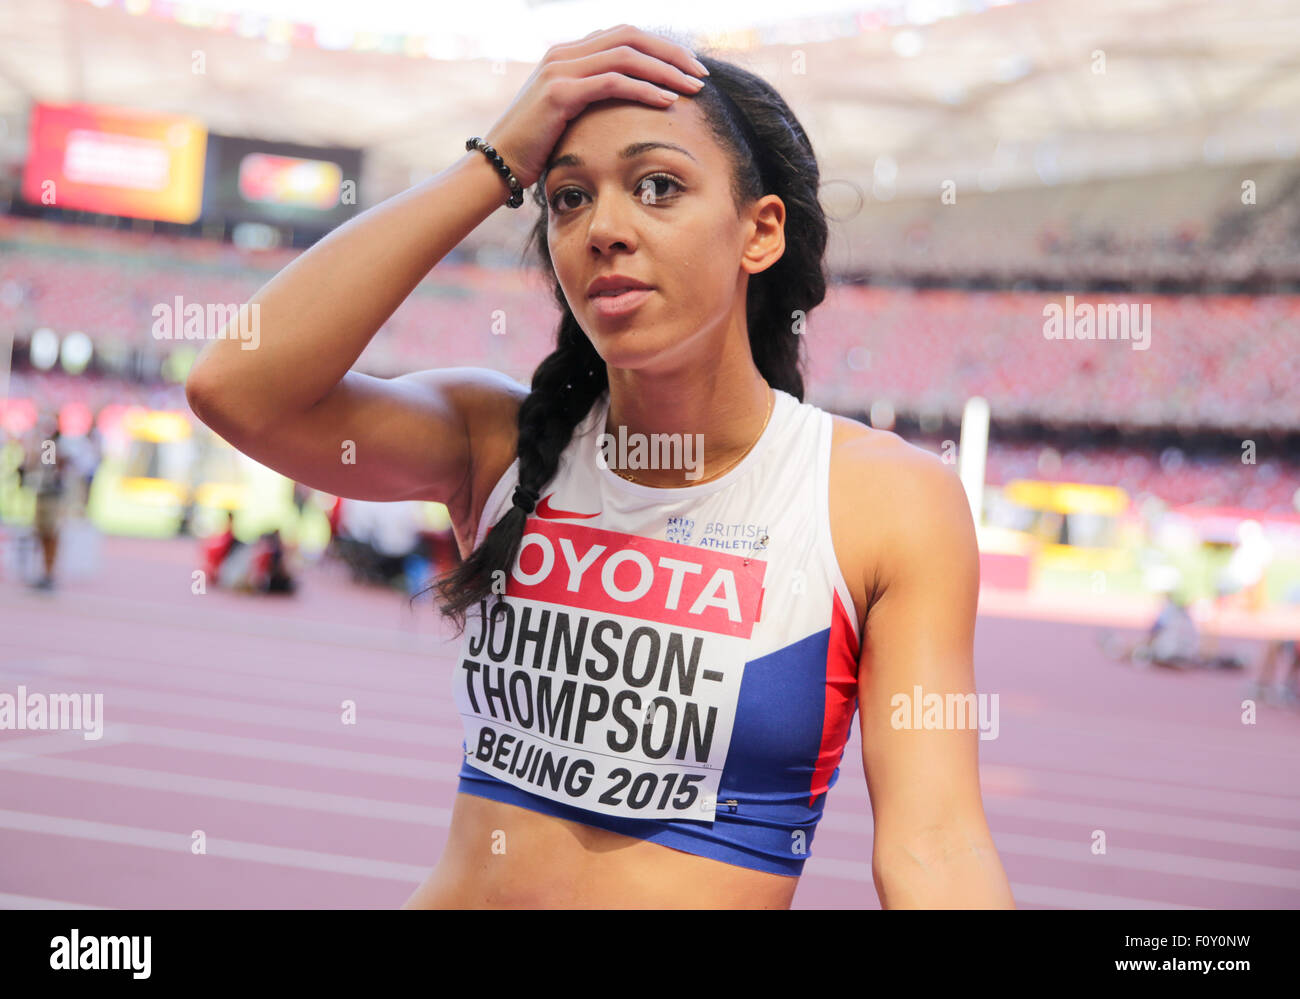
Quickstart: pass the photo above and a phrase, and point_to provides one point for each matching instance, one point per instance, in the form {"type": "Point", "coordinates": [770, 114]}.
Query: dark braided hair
{"type": "Point", "coordinates": [770, 154]}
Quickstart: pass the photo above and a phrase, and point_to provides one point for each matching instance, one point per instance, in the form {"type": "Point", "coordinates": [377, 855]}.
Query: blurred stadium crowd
{"type": "Point", "coordinates": [1221, 369]}
{"type": "Point", "coordinates": [1212, 226]}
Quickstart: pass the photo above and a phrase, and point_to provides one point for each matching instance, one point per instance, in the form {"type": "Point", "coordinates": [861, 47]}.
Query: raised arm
{"type": "Point", "coordinates": [933, 848]}
{"type": "Point", "coordinates": [293, 403]}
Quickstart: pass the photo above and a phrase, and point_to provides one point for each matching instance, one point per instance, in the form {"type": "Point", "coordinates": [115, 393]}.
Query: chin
{"type": "Point", "coordinates": [623, 350]}
{"type": "Point", "coordinates": [631, 346]}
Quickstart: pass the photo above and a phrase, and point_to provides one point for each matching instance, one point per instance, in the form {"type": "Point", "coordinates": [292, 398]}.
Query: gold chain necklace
{"type": "Point", "coordinates": [771, 401]}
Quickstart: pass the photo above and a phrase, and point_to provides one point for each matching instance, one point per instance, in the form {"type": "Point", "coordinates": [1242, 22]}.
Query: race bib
{"type": "Point", "coordinates": [607, 676]}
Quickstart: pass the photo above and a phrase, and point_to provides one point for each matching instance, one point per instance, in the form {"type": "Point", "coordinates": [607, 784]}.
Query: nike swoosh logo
{"type": "Point", "coordinates": [548, 512]}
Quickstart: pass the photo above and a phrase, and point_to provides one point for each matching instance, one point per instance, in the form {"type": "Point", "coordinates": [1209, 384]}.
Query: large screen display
{"type": "Point", "coordinates": [138, 164]}
{"type": "Point", "coordinates": [279, 183]}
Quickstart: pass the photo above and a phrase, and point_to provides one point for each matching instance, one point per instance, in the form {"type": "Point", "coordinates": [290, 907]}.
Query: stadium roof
{"type": "Point", "coordinates": [897, 96]}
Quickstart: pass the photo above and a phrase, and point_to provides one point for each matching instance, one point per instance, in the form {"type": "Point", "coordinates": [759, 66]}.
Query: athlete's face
{"type": "Point", "coordinates": [632, 206]}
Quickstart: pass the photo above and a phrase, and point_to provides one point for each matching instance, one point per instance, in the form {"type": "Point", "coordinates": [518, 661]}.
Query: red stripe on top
{"type": "Point", "coordinates": [841, 697]}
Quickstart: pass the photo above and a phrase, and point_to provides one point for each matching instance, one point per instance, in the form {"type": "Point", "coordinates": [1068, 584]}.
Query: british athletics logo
{"type": "Point", "coordinates": [607, 675]}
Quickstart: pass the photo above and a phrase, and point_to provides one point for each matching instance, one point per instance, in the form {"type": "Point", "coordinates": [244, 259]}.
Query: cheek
{"type": "Point", "coordinates": [562, 262]}
{"type": "Point", "coordinates": [709, 267]}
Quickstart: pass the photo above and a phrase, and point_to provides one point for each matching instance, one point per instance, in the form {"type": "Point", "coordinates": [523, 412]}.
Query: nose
{"type": "Point", "coordinates": [611, 225]}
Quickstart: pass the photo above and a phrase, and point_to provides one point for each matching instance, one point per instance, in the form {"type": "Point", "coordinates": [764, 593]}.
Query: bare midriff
{"type": "Point", "coordinates": [499, 856]}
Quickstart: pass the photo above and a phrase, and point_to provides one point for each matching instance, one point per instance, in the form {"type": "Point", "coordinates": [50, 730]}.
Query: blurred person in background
{"type": "Point", "coordinates": [1242, 579]}
{"type": "Point", "coordinates": [1241, 584]}
{"type": "Point", "coordinates": [84, 454]}
{"type": "Point", "coordinates": [382, 540]}
{"type": "Point", "coordinates": [1278, 653]}
{"type": "Point", "coordinates": [269, 572]}
{"type": "Point", "coordinates": [1174, 641]}
{"type": "Point", "coordinates": [260, 567]}
{"type": "Point", "coordinates": [1265, 687]}
{"type": "Point", "coordinates": [216, 547]}
{"type": "Point", "coordinates": [48, 480]}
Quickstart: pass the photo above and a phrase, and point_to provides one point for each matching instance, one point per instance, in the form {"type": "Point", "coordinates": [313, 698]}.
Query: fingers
{"type": "Point", "coordinates": [625, 34]}
{"type": "Point", "coordinates": [618, 86]}
{"type": "Point", "coordinates": [632, 62]}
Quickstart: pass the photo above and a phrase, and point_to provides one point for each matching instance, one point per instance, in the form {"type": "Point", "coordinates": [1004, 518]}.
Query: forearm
{"type": "Point", "coordinates": [317, 315]}
{"type": "Point", "coordinates": [961, 872]}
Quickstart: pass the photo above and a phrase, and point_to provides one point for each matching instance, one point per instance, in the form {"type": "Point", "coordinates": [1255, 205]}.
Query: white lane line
{"type": "Point", "coordinates": [364, 638]}
{"type": "Point", "coordinates": [1224, 734]}
{"type": "Point", "coordinates": [48, 743]}
{"type": "Point", "coordinates": [326, 719]}
{"type": "Point", "coordinates": [420, 768]}
{"type": "Point", "coordinates": [142, 689]}
{"type": "Point", "coordinates": [233, 790]}
{"type": "Point", "coordinates": [179, 844]}
{"type": "Point", "coordinates": [1093, 816]}
{"type": "Point", "coordinates": [1242, 834]}
{"type": "Point", "coordinates": [1258, 804]}
{"type": "Point", "coordinates": [227, 620]}
{"type": "Point", "coordinates": [1153, 861]}
{"type": "Point", "coordinates": [1150, 861]}
{"type": "Point", "coordinates": [8, 901]}
{"type": "Point", "coordinates": [401, 686]}
{"type": "Point", "coordinates": [1072, 898]}
{"type": "Point", "coordinates": [1144, 739]}
{"type": "Point", "coordinates": [1012, 781]}
{"type": "Point", "coordinates": [827, 869]}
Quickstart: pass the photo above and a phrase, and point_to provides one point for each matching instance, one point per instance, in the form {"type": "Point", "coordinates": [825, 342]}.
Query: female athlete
{"type": "Point", "coordinates": [664, 659]}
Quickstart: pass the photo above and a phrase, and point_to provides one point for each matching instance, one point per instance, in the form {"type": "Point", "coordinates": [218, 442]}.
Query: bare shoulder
{"type": "Point", "coordinates": [890, 501]}
{"type": "Point", "coordinates": [885, 465]}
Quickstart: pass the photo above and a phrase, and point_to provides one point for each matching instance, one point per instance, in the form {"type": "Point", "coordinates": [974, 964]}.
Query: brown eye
{"type": "Point", "coordinates": [646, 190]}
{"type": "Point", "coordinates": [561, 193]}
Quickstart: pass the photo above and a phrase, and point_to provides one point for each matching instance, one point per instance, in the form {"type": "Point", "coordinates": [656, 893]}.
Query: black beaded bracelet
{"type": "Point", "coordinates": [516, 191]}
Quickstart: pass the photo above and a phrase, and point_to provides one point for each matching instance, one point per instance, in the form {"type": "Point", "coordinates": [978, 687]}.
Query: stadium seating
{"type": "Point", "coordinates": [1228, 362]}
{"type": "Point", "coordinates": [1191, 225]}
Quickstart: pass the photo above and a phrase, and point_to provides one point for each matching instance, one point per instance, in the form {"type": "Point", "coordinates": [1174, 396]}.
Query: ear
{"type": "Point", "coordinates": [766, 244]}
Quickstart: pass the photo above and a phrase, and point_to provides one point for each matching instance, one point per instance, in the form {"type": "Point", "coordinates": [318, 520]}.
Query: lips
{"type": "Point", "coordinates": [620, 304]}
{"type": "Point", "coordinates": [613, 284]}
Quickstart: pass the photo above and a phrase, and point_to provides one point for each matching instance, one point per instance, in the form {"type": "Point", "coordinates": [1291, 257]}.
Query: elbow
{"type": "Point", "coordinates": [210, 406]}
{"type": "Point", "coordinates": [199, 396]}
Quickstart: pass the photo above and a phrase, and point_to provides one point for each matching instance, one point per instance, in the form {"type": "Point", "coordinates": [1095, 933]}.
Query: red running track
{"type": "Point", "coordinates": [223, 715]}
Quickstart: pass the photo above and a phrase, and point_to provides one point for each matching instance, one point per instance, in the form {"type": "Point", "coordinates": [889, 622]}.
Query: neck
{"type": "Point", "coordinates": [727, 410]}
